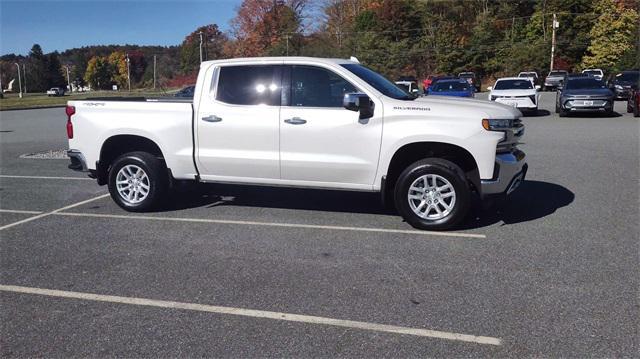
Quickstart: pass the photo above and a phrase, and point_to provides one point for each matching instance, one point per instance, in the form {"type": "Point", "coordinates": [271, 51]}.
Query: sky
{"type": "Point", "coordinates": [65, 24]}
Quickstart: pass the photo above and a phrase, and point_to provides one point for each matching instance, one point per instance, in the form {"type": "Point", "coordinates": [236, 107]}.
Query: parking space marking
{"type": "Point", "coordinates": [253, 313]}
{"type": "Point", "coordinates": [49, 177]}
{"type": "Point", "coordinates": [274, 224]}
{"type": "Point", "coordinates": [29, 219]}
{"type": "Point", "coordinates": [19, 211]}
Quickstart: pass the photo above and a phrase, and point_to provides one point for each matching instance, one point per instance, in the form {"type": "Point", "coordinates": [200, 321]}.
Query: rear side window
{"type": "Point", "coordinates": [250, 85]}
{"type": "Point", "coordinates": [317, 87]}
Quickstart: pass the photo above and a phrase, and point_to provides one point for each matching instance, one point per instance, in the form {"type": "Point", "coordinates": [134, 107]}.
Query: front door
{"type": "Point", "coordinates": [320, 140]}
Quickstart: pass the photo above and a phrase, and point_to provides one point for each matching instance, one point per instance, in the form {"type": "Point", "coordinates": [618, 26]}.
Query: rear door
{"type": "Point", "coordinates": [320, 140]}
{"type": "Point", "coordinates": [238, 126]}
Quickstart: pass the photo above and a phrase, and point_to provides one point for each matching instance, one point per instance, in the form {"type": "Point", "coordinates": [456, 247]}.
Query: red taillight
{"type": "Point", "coordinates": [70, 110]}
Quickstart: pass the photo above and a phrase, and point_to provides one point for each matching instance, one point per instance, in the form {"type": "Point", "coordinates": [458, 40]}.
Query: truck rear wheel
{"type": "Point", "coordinates": [138, 181]}
{"type": "Point", "coordinates": [432, 194]}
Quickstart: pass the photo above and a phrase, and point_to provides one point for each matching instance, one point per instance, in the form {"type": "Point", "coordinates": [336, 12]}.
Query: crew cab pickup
{"type": "Point", "coordinates": [302, 122]}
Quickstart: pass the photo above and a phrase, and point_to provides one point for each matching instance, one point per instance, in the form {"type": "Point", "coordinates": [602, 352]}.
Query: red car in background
{"type": "Point", "coordinates": [633, 103]}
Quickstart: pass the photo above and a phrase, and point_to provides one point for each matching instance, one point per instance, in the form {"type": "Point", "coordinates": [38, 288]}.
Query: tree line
{"type": "Point", "coordinates": [395, 37]}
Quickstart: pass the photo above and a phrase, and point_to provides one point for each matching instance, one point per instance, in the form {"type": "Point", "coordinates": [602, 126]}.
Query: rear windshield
{"type": "Point", "coordinates": [513, 85]}
{"type": "Point", "coordinates": [584, 84]}
{"type": "Point", "coordinates": [557, 73]}
{"type": "Point", "coordinates": [527, 74]}
{"type": "Point", "coordinates": [444, 86]}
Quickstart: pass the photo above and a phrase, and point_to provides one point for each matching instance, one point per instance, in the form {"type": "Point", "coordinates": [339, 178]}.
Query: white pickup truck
{"type": "Point", "coordinates": [302, 122]}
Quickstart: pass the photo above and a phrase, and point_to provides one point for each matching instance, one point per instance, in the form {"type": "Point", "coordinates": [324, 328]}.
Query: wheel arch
{"type": "Point", "coordinates": [117, 145]}
{"type": "Point", "coordinates": [415, 151]}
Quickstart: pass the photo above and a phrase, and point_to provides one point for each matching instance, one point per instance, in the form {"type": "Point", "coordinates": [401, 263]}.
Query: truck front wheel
{"type": "Point", "coordinates": [432, 194]}
{"type": "Point", "coordinates": [138, 181]}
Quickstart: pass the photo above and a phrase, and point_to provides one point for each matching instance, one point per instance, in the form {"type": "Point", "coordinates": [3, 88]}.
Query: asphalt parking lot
{"type": "Point", "coordinates": [249, 271]}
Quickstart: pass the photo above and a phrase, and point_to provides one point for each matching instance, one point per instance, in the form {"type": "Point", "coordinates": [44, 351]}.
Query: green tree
{"type": "Point", "coordinates": [118, 68]}
{"type": "Point", "coordinates": [98, 74]}
{"type": "Point", "coordinates": [213, 45]}
{"type": "Point", "coordinates": [614, 34]}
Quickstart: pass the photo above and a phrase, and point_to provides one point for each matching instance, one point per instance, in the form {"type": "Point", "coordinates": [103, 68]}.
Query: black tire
{"type": "Point", "coordinates": [439, 167]}
{"type": "Point", "coordinates": [636, 111]}
{"type": "Point", "coordinates": [157, 181]}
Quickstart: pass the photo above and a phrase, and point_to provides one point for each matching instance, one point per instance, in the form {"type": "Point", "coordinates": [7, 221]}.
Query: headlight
{"type": "Point", "coordinates": [496, 125]}
{"type": "Point", "coordinates": [619, 87]}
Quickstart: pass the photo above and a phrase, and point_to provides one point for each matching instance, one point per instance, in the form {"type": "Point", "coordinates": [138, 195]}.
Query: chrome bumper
{"type": "Point", "coordinates": [511, 168]}
{"type": "Point", "coordinates": [78, 163]}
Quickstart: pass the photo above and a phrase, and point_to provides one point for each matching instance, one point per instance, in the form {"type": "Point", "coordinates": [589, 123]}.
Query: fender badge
{"type": "Point", "coordinates": [411, 108]}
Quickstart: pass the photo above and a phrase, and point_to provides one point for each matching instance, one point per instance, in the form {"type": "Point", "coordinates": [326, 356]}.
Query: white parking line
{"type": "Point", "coordinates": [274, 224]}
{"type": "Point", "coordinates": [49, 177]}
{"type": "Point", "coordinates": [19, 211]}
{"type": "Point", "coordinates": [384, 328]}
{"type": "Point", "coordinates": [52, 212]}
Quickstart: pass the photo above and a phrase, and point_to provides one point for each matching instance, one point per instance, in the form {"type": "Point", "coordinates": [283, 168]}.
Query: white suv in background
{"type": "Point", "coordinates": [597, 73]}
{"type": "Point", "coordinates": [518, 92]}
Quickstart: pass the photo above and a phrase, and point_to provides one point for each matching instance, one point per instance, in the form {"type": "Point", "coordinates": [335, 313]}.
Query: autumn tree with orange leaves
{"type": "Point", "coordinates": [264, 27]}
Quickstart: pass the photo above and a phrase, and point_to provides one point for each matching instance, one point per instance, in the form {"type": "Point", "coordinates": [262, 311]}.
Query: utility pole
{"type": "Point", "coordinates": [287, 37]}
{"type": "Point", "coordinates": [68, 78]}
{"type": "Point", "coordinates": [24, 77]}
{"type": "Point", "coordinates": [128, 73]}
{"type": "Point", "coordinates": [19, 79]}
{"type": "Point", "coordinates": [554, 26]}
{"type": "Point", "coordinates": [154, 72]}
{"type": "Point", "coordinates": [200, 33]}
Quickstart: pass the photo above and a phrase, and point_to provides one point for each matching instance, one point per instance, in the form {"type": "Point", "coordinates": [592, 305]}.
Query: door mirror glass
{"type": "Point", "coordinates": [358, 102]}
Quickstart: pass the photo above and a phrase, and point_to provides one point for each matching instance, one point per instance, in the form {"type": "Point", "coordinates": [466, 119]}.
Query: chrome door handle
{"type": "Point", "coordinates": [295, 121]}
{"type": "Point", "coordinates": [212, 118]}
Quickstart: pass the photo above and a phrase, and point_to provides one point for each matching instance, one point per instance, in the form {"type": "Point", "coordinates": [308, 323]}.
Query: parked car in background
{"type": "Point", "coordinates": [584, 94]}
{"type": "Point", "coordinates": [186, 92]}
{"type": "Point", "coordinates": [472, 78]}
{"type": "Point", "coordinates": [56, 91]}
{"type": "Point", "coordinates": [531, 75]}
{"type": "Point", "coordinates": [554, 79]}
{"type": "Point", "coordinates": [432, 79]}
{"type": "Point", "coordinates": [622, 82]}
{"type": "Point", "coordinates": [456, 88]}
{"type": "Point", "coordinates": [597, 73]}
{"type": "Point", "coordinates": [433, 158]}
{"type": "Point", "coordinates": [633, 103]}
{"type": "Point", "coordinates": [409, 86]}
{"type": "Point", "coordinates": [517, 92]}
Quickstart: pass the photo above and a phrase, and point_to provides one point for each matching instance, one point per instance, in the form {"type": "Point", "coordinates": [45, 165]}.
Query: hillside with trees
{"type": "Point", "coordinates": [395, 37]}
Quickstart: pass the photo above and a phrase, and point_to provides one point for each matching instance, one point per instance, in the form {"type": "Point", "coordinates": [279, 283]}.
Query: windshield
{"type": "Point", "coordinates": [513, 85]}
{"type": "Point", "coordinates": [466, 74]}
{"type": "Point", "coordinates": [443, 86]}
{"type": "Point", "coordinates": [527, 74]}
{"type": "Point", "coordinates": [628, 76]}
{"type": "Point", "coordinates": [584, 84]}
{"type": "Point", "coordinates": [557, 73]}
{"type": "Point", "coordinates": [378, 82]}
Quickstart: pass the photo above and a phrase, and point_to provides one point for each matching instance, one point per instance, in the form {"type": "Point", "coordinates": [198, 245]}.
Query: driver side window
{"type": "Point", "coordinates": [317, 87]}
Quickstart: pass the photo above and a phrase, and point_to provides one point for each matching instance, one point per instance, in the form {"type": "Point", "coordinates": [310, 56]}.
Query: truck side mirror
{"type": "Point", "coordinates": [358, 102]}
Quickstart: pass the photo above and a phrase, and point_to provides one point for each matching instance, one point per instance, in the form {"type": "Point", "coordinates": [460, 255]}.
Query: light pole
{"type": "Point", "coordinates": [128, 73]}
{"type": "Point", "coordinates": [68, 79]}
{"type": "Point", "coordinates": [554, 26]}
{"type": "Point", "coordinates": [24, 77]}
{"type": "Point", "coordinates": [19, 79]}
{"type": "Point", "coordinates": [200, 33]}
{"type": "Point", "coordinates": [154, 72]}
